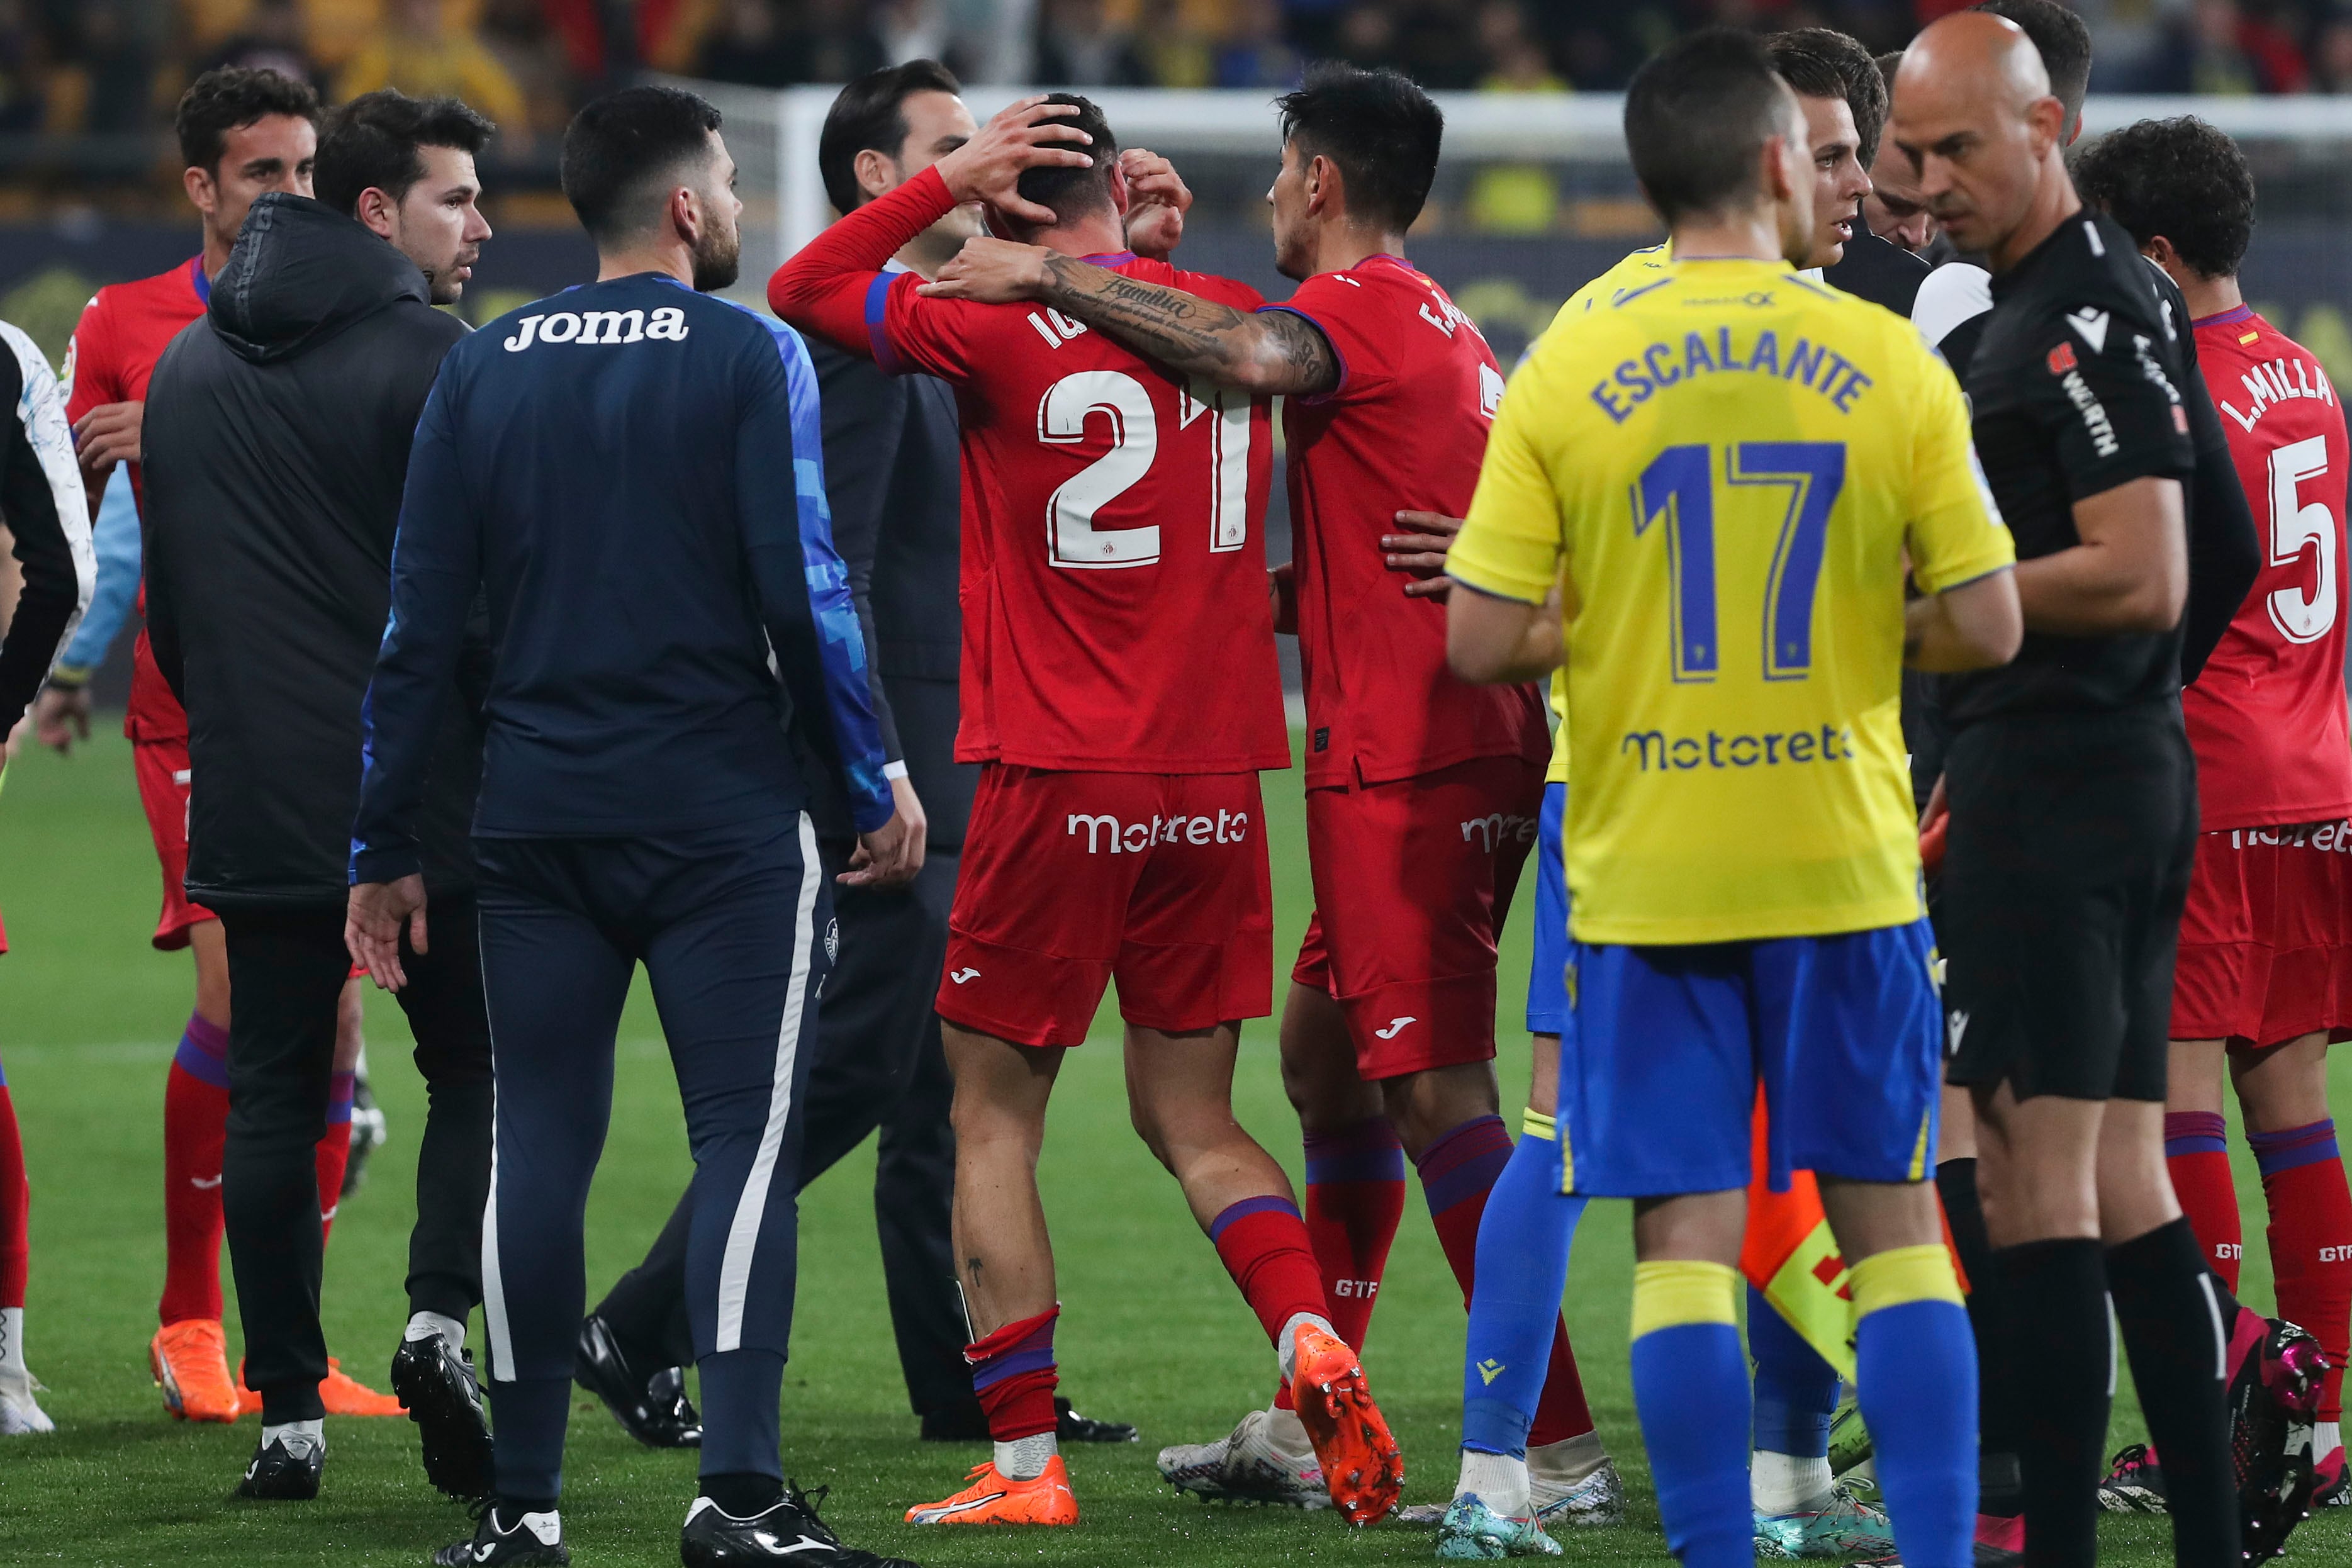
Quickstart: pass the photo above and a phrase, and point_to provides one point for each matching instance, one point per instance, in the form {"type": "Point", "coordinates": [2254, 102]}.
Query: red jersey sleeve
{"type": "Point", "coordinates": [835, 287]}
{"type": "Point", "coordinates": [1360, 329]}
{"type": "Point", "coordinates": [911, 332]}
{"type": "Point", "coordinates": [92, 378]}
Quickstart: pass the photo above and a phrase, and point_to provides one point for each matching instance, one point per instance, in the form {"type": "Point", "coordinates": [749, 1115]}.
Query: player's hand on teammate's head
{"type": "Point", "coordinates": [891, 854]}
{"type": "Point", "coordinates": [1026, 135]}
{"type": "Point", "coordinates": [372, 922]}
{"type": "Point", "coordinates": [1158, 199]}
{"type": "Point", "coordinates": [61, 717]}
{"type": "Point", "coordinates": [108, 435]}
{"type": "Point", "coordinates": [1420, 553]}
{"type": "Point", "coordinates": [993, 271]}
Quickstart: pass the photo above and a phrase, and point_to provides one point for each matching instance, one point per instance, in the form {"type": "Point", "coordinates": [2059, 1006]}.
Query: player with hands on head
{"type": "Point", "coordinates": [1424, 795]}
{"type": "Point", "coordinates": [1086, 727]}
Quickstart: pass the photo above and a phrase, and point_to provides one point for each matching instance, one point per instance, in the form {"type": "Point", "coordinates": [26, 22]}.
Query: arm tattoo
{"type": "Point", "coordinates": [1272, 351]}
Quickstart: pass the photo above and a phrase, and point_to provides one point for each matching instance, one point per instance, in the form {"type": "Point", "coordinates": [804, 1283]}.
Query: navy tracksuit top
{"type": "Point", "coordinates": [631, 476]}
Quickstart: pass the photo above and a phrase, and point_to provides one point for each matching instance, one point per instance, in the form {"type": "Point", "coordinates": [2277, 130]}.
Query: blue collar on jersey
{"type": "Point", "coordinates": [199, 282]}
{"type": "Point", "coordinates": [2226, 317]}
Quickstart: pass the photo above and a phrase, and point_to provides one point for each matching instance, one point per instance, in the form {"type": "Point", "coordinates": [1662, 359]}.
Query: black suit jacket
{"type": "Point", "coordinates": [892, 473]}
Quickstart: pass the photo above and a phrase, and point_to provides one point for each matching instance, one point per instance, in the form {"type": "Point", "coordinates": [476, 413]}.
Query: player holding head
{"type": "Point", "coordinates": [2073, 823]}
{"type": "Point", "coordinates": [1422, 794]}
{"type": "Point", "coordinates": [2264, 943]}
{"type": "Point", "coordinates": [1739, 848]}
{"type": "Point", "coordinates": [241, 133]}
{"type": "Point", "coordinates": [1117, 829]}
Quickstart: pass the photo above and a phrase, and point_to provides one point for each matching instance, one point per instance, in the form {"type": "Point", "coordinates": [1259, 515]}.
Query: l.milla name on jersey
{"type": "Point", "coordinates": [1808, 364]}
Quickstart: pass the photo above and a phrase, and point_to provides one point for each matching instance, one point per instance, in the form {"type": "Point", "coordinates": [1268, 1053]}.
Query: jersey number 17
{"type": "Point", "coordinates": [1678, 489]}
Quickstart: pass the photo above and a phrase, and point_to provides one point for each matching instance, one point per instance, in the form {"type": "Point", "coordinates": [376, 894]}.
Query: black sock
{"type": "Point", "coordinates": [2176, 1333]}
{"type": "Point", "coordinates": [743, 1493]}
{"type": "Point", "coordinates": [1997, 1486]}
{"type": "Point", "coordinates": [2062, 1343]}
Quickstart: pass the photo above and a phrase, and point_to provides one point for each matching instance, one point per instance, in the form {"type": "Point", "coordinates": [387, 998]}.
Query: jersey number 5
{"type": "Point", "coordinates": [1679, 490]}
{"type": "Point", "coordinates": [1072, 539]}
{"type": "Point", "coordinates": [2294, 523]}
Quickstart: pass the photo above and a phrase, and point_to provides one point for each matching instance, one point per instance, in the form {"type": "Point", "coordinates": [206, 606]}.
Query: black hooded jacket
{"type": "Point", "coordinates": [277, 437]}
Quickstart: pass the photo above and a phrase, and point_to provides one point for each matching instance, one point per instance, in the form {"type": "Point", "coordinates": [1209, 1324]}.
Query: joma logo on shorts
{"type": "Point", "coordinates": [1135, 837]}
{"type": "Point", "coordinates": [1496, 828]}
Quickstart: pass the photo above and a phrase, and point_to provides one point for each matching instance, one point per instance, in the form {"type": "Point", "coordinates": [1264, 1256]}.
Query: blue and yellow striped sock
{"type": "Point", "coordinates": [1690, 1385]}
{"type": "Point", "coordinates": [1915, 1374]}
{"type": "Point", "coordinates": [1523, 1246]}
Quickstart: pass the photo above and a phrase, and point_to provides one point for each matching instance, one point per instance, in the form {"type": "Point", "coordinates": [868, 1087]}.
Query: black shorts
{"type": "Point", "coordinates": [2070, 845]}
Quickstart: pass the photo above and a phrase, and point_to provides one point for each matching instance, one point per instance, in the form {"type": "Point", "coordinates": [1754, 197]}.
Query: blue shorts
{"type": "Point", "coordinates": [1658, 1075]}
{"type": "Point", "coordinates": [1548, 979]}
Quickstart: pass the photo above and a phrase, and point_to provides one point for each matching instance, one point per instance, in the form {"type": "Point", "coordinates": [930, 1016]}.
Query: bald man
{"type": "Point", "coordinates": [2074, 803]}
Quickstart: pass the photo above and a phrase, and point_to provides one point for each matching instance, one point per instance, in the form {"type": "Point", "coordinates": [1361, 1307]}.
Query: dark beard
{"type": "Point", "coordinates": [717, 261]}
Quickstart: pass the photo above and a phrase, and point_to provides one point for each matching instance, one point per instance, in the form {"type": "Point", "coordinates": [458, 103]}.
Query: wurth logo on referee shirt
{"type": "Point", "coordinates": [1135, 837]}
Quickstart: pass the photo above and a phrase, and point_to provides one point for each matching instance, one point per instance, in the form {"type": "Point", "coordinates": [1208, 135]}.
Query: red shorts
{"type": "Point", "coordinates": [161, 767]}
{"type": "Point", "coordinates": [1412, 880]}
{"type": "Point", "coordinates": [1070, 879]}
{"type": "Point", "coordinates": [2266, 938]}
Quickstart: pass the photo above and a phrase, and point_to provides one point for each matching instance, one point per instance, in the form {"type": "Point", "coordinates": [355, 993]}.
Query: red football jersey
{"type": "Point", "coordinates": [1116, 617]}
{"type": "Point", "coordinates": [2266, 716]}
{"type": "Point", "coordinates": [1404, 432]}
{"type": "Point", "coordinates": [124, 330]}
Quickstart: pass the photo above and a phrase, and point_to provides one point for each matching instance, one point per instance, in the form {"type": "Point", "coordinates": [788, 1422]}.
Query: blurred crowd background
{"type": "Point", "coordinates": [88, 84]}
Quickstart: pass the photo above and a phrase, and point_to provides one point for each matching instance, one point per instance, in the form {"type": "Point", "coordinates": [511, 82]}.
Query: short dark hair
{"type": "Point", "coordinates": [1819, 62]}
{"type": "Point", "coordinates": [617, 145]}
{"type": "Point", "coordinates": [230, 98]}
{"type": "Point", "coordinates": [2179, 178]}
{"type": "Point", "coordinates": [2065, 42]}
{"type": "Point", "coordinates": [375, 142]}
{"type": "Point", "coordinates": [1073, 190]}
{"type": "Point", "coordinates": [1377, 128]}
{"type": "Point", "coordinates": [1888, 64]}
{"type": "Point", "coordinates": [870, 115]}
{"type": "Point", "coordinates": [1696, 115]}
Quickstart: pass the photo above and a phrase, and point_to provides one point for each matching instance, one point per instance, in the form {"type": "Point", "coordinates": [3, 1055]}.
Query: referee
{"type": "Point", "coordinates": [630, 474]}
{"type": "Point", "coordinates": [2073, 803]}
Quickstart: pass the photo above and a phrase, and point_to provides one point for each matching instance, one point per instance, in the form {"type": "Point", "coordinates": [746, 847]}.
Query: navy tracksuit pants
{"type": "Point", "coordinates": [734, 928]}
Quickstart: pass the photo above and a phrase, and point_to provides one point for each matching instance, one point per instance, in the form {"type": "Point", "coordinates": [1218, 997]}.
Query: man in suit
{"type": "Point", "coordinates": [891, 464]}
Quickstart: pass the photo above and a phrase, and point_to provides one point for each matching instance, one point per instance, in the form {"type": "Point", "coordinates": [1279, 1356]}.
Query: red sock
{"type": "Point", "coordinates": [1012, 1372]}
{"type": "Point", "coordinates": [15, 1205]}
{"type": "Point", "coordinates": [2198, 1156]}
{"type": "Point", "coordinates": [1457, 1170]}
{"type": "Point", "coordinates": [1355, 1196]}
{"type": "Point", "coordinates": [334, 1151]}
{"type": "Point", "coordinates": [1262, 1243]}
{"type": "Point", "coordinates": [2311, 1242]}
{"type": "Point", "coordinates": [195, 1126]}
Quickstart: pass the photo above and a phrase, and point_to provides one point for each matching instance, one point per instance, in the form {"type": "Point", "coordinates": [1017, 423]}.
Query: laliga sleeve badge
{"type": "Point", "coordinates": [2060, 359]}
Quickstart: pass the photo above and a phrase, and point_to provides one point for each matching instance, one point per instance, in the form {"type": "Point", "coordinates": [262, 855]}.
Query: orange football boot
{"type": "Point", "coordinates": [340, 1393]}
{"type": "Point", "coordinates": [190, 1361]}
{"type": "Point", "coordinates": [1363, 1466]}
{"type": "Point", "coordinates": [993, 1500]}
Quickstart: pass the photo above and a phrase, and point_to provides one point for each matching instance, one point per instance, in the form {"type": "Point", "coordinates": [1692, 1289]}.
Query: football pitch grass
{"type": "Point", "coordinates": [1152, 1331]}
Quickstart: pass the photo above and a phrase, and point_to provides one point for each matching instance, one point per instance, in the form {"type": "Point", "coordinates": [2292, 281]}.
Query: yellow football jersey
{"type": "Point", "coordinates": [1726, 465]}
{"type": "Point", "coordinates": [1637, 267]}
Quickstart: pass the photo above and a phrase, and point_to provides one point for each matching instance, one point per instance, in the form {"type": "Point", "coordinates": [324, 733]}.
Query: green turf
{"type": "Point", "coordinates": [1153, 1333]}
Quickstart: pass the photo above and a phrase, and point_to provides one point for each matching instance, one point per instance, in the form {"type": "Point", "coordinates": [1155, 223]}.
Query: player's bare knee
{"type": "Point", "coordinates": [1427, 1105]}
{"type": "Point", "coordinates": [2281, 1086]}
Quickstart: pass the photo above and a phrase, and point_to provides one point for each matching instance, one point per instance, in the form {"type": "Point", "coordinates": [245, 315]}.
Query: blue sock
{"type": "Point", "coordinates": [740, 1432]}
{"type": "Point", "coordinates": [1915, 1372]}
{"type": "Point", "coordinates": [1796, 1390]}
{"type": "Point", "coordinates": [1523, 1244]}
{"type": "Point", "coordinates": [526, 1438]}
{"type": "Point", "coordinates": [1690, 1385]}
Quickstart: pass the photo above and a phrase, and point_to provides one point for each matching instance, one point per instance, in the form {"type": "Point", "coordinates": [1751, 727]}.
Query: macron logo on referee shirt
{"type": "Point", "coordinates": [597, 328]}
